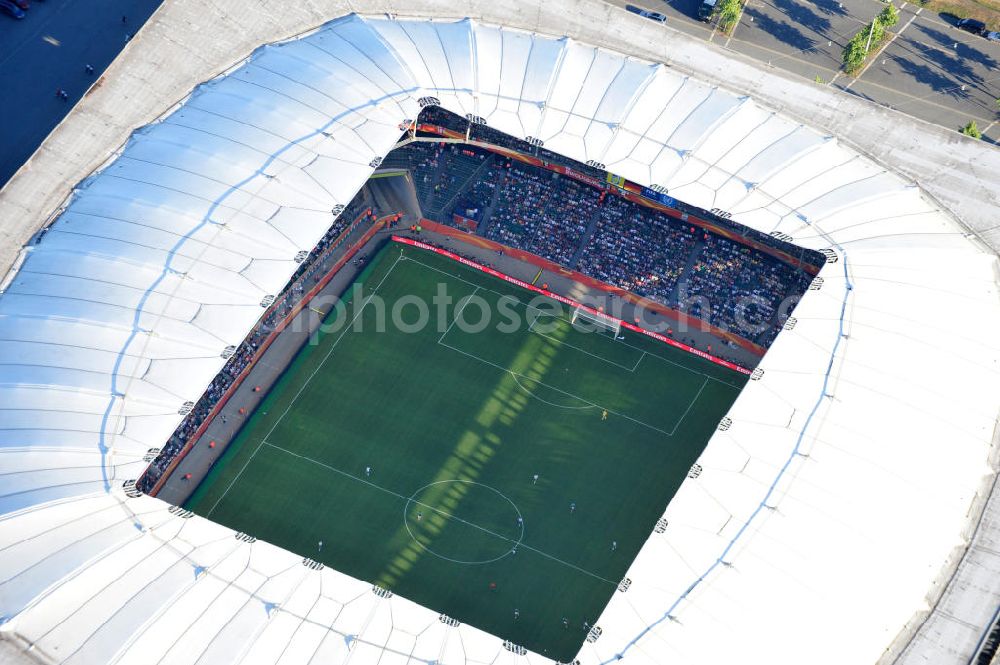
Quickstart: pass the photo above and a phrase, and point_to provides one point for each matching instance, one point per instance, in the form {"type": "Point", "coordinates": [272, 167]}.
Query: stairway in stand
{"type": "Point", "coordinates": [688, 267]}
{"type": "Point", "coordinates": [470, 178]}
{"type": "Point", "coordinates": [595, 218]}
{"type": "Point", "coordinates": [484, 225]}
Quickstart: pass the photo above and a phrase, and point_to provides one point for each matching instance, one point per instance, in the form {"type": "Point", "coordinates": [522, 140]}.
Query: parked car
{"type": "Point", "coordinates": [706, 9]}
{"type": "Point", "coordinates": [972, 25]}
{"type": "Point", "coordinates": [655, 16]}
{"type": "Point", "coordinates": [8, 7]}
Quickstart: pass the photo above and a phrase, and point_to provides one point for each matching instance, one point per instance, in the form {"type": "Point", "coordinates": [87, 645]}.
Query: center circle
{"type": "Point", "coordinates": [463, 521]}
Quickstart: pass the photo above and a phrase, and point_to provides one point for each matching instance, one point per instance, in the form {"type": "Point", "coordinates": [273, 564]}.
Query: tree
{"type": "Point", "coordinates": [888, 17]}
{"type": "Point", "coordinates": [729, 13]}
{"type": "Point", "coordinates": [877, 30]}
{"type": "Point", "coordinates": [868, 39]}
{"type": "Point", "coordinates": [971, 130]}
{"type": "Point", "coordinates": [854, 52]}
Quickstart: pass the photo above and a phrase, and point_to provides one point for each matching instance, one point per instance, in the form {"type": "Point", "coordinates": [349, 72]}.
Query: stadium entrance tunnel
{"type": "Point", "coordinates": [464, 522]}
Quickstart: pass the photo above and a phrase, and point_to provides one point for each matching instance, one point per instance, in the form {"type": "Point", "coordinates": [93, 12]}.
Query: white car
{"type": "Point", "coordinates": [655, 16]}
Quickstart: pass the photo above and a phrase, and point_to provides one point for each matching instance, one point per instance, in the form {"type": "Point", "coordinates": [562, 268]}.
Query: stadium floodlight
{"type": "Point", "coordinates": [599, 320]}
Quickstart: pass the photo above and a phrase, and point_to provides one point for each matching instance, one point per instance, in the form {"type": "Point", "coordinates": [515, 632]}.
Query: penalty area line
{"type": "Point", "coordinates": [688, 410]}
{"type": "Point", "coordinates": [561, 342]}
{"type": "Point", "coordinates": [458, 313]}
{"type": "Point", "coordinates": [558, 390]}
{"type": "Point", "coordinates": [530, 307]}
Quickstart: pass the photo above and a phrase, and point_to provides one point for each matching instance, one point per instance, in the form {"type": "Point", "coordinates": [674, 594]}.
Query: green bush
{"type": "Point", "coordinates": [868, 39]}
{"type": "Point", "coordinates": [854, 52]}
{"type": "Point", "coordinates": [888, 17]}
{"type": "Point", "coordinates": [728, 12]}
{"type": "Point", "coordinates": [971, 130]}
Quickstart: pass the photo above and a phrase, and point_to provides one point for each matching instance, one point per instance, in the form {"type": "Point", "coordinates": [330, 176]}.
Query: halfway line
{"type": "Point", "coordinates": [437, 510]}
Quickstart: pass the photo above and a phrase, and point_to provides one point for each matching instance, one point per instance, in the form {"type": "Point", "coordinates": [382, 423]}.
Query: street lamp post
{"type": "Point", "coordinates": [871, 31]}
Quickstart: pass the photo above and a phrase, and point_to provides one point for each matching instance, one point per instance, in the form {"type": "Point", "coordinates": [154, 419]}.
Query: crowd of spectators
{"type": "Point", "coordinates": [742, 288]}
{"type": "Point", "coordinates": [435, 115]}
{"type": "Point", "coordinates": [558, 218]}
{"type": "Point", "coordinates": [625, 244]}
{"type": "Point", "coordinates": [424, 161]}
{"type": "Point", "coordinates": [639, 250]}
{"type": "Point", "coordinates": [475, 201]}
{"type": "Point", "coordinates": [542, 212]}
{"type": "Point", "coordinates": [440, 170]}
{"type": "Point", "coordinates": [311, 270]}
{"type": "Point", "coordinates": [460, 164]}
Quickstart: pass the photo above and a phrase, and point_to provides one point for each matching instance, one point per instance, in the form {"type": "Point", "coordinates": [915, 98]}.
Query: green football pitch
{"type": "Point", "coordinates": [504, 474]}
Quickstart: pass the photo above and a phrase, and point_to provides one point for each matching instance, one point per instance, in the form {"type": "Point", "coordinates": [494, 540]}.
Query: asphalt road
{"type": "Point", "coordinates": [48, 50]}
{"type": "Point", "coordinates": [930, 69]}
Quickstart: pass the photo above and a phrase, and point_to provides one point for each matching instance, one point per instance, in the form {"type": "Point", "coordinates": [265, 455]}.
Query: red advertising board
{"type": "Point", "coordinates": [682, 319]}
{"type": "Point", "coordinates": [465, 223]}
{"type": "Point", "coordinates": [627, 190]}
{"type": "Point", "coordinates": [569, 301]}
{"type": "Point", "coordinates": [307, 297]}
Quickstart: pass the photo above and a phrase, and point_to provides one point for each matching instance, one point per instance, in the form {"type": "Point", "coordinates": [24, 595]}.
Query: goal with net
{"type": "Point", "coordinates": [598, 320]}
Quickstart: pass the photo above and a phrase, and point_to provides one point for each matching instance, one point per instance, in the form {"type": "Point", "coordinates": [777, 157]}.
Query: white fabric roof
{"type": "Point", "coordinates": [832, 502]}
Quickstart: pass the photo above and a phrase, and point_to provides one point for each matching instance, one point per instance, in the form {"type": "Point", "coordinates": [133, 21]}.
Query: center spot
{"type": "Point", "coordinates": [463, 521]}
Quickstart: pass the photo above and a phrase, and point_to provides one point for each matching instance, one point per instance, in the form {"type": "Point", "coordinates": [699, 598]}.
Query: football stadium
{"type": "Point", "coordinates": [477, 334]}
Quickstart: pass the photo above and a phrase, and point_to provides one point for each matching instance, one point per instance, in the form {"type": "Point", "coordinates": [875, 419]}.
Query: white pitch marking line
{"type": "Point", "coordinates": [558, 390]}
{"type": "Point", "coordinates": [687, 410]}
{"type": "Point", "coordinates": [879, 52]}
{"type": "Point", "coordinates": [587, 405]}
{"type": "Point", "coordinates": [581, 350]}
{"type": "Point", "coordinates": [304, 385]}
{"type": "Point", "coordinates": [458, 313]}
{"type": "Point", "coordinates": [536, 309]}
{"type": "Point", "coordinates": [446, 515]}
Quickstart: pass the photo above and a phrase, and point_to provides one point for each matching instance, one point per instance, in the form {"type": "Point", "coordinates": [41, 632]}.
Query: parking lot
{"type": "Point", "coordinates": [48, 50]}
{"type": "Point", "coordinates": [929, 69]}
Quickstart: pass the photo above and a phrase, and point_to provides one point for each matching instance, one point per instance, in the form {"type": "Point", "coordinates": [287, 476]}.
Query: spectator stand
{"type": "Point", "coordinates": [513, 148]}
{"type": "Point", "coordinates": [316, 271]}
{"type": "Point", "coordinates": [620, 239]}
{"type": "Point", "coordinates": [702, 335]}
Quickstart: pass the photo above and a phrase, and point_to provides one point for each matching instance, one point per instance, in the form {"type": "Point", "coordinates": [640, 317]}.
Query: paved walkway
{"type": "Point", "coordinates": [49, 50]}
